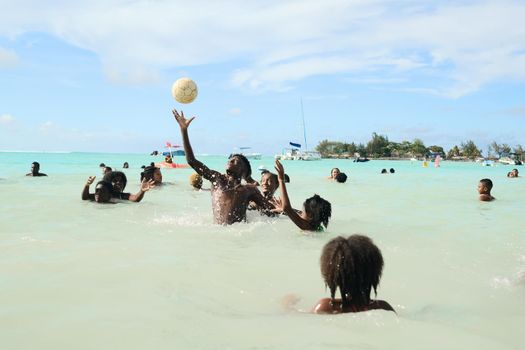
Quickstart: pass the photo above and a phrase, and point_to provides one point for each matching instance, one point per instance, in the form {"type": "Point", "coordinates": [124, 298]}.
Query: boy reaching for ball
{"type": "Point", "coordinates": [230, 198]}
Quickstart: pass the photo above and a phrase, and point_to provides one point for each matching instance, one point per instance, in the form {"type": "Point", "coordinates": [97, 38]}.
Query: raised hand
{"type": "Point", "coordinates": [277, 205]}
{"type": "Point", "coordinates": [147, 185]}
{"type": "Point", "coordinates": [183, 122]}
{"type": "Point", "coordinates": [280, 169]}
{"type": "Point", "coordinates": [90, 180]}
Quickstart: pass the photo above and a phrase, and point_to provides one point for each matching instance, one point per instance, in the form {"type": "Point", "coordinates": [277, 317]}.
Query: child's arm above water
{"type": "Point", "coordinates": [199, 167]}
{"type": "Point", "coordinates": [85, 192]}
{"type": "Point", "coordinates": [145, 186]}
{"type": "Point", "coordinates": [285, 201]}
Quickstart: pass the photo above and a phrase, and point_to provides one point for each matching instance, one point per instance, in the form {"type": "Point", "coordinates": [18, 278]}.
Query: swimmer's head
{"type": "Point", "coordinates": [341, 178]}
{"type": "Point", "coordinates": [106, 170]}
{"type": "Point", "coordinates": [515, 172]}
{"type": "Point", "coordinates": [354, 265]}
{"type": "Point", "coordinates": [286, 178]}
{"type": "Point", "coordinates": [384, 171]}
{"type": "Point", "coordinates": [318, 210]}
{"type": "Point", "coordinates": [102, 165]}
{"type": "Point", "coordinates": [151, 172]}
{"type": "Point", "coordinates": [118, 179]}
{"type": "Point", "coordinates": [196, 181]}
{"type": "Point", "coordinates": [35, 167]}
{"type": "Point", "coordinates": [103, 191]}
{"type": "Point", "coordinates": [334, 173]}
{"type": "Point", "coordinates": [126, 165]}
{"type": "Point", "coordinates": [269, 183]}
{"type": "Point", "coordinates": [239, 166]}
{"type": "Point", "coordinates": [485, 186]}
{"type": "Point", "coordinates": [392, 170]}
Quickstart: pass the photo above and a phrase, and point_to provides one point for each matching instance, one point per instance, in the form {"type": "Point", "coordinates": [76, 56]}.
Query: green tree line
{"type": "Point", "coordinates": [379, 146]}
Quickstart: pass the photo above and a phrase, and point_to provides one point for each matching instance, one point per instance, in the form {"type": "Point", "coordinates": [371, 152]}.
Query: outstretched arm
{"type": "Point", "coordinates": [145, 186]}
{"type": "Point", "coordinates": [200, 168]}
{"type": "Point", "coordinates": [285, 201]}
{"type": "Point", "coordinates": [85, 192]}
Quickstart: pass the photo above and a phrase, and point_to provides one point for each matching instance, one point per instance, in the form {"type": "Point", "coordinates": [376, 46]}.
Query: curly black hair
{"type": "Point", "coordinates": [113, 175]}
{"type": "Point", "coordinates": [148, 172]}
{"type": "Point", "coordinates": [354, 265]}
{"type": "Point", "coordinates": [319, 209]}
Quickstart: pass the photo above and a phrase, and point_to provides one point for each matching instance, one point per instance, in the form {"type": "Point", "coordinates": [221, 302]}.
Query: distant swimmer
{"type": "Point", "coordinates": [484, 188]}
{"type": "Point", "coordinates": [354, 266]}
{"type": "Point", "coordinates": [230, 197]}
{"type": "Point", "coordinates": [334, 173]}
{"type": "Point", "coordinates": [392, 170]}
{"type": "Point", "coordinates": [341, 178]}
{"type": "Point", "coordinates": [316, 211]}
{"type": "Point", "coordinates": [35, 170]}
{"type": "Point", "coordinates": [125, 165]}
{"type": "Point", "coordinates": [513, 173]}
{"type": "Point", "coordinates": [269, 184]}
{"type": "Point", "coordinates": [151, 172]}
{"type": "Point", "coordinates": [384, 171]}
{"type": "Point", "coordinates": [106, 170]}
{"type": "Point", "coordinates": [105, 193]}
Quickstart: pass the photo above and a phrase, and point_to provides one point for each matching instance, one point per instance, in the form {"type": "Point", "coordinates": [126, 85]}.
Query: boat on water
{"type": "Point", "coordinates": [295, 152]}
{"type": "Point", "coordinates": [510, 161]}
{"type": "Point", "coordinates": [249, 155]}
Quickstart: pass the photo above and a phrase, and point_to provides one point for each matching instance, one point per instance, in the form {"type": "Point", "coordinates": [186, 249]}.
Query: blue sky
{"type": "Point", "coordinates": [97, 75]}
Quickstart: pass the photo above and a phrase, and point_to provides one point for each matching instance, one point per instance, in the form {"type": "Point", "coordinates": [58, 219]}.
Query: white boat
{"type": "Point", "coordinates": [295, 153]}
{"type": "Point", "coordinates": [249, 155]}
{"type": "Point", "coordinates": [508, 161]}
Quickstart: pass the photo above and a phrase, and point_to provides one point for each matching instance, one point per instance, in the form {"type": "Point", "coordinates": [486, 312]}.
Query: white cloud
{"type": "Point", "coordinates": [458, 46]}
{"type": "Point", "coordinates": [235, 111]}
{"type": "Point", "coordinates": [6, 119]}
{"type": "Point", "coordinates": [8, 58]}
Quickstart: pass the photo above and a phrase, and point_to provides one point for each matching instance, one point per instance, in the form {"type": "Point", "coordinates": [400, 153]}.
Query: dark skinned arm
{"type": "Point", "coordinates": [85, 192]}
{"type": "Point", "coordinates": [199, 167]}
{"type": "Point", "coordinates": [285, 201]}
{"type": "Point", "coordinates": [145, 186]}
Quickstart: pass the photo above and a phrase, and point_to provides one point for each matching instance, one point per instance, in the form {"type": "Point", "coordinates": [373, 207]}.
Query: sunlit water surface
{"type": "Point", "coordinates": [159, 274]}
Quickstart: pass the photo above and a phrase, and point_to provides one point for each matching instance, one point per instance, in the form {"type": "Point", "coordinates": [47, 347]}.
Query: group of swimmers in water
{"type": "Point", "coordinates": [352, 264]}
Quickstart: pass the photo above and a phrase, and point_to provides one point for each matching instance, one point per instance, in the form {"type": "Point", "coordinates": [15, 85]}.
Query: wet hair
{"type": "Point", "coordinates": [341, 177]}
{"type": "Point", "coordinates": [331, 171]}
{"type": "Point", "coordinates": [107, 169]}
{"type": "Point", "coordinates": [392, 170]}
{"type": "Point", "coordinates": [319, 209]}
{"type": "Point", "coordinates": [247, 166]}
{"type": "Point", "coordinates": [102, 165]}
{"type": "Point", "coordinates": [196, 180]}
{"type": "Point", "coordinates": [111, 176]}
{"type": "Point", "coordinates": [354, 265]}
{"type": "Point", "coordinates": [286, 178]}
{"type": "Point", "coordinates": [383, 171]}
{"type": "Point", "coordinates": [148, 172]}
{"type": "Point", "coordinates": [36, 163]}
{"type": "Point", "coordinates": [487, 183]}
{"type": "Point", "coordinates": [125, 165]}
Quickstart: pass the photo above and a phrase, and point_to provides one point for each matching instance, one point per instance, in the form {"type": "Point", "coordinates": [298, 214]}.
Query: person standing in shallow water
{"type": "Point", "coordinates": [484, 188]}
{"type": "Point", "coordinates": [230, 197]}
{"type": "Point", "coordinates": [35, 170]}
{"type": "Point", "coordinates": [354, 266]}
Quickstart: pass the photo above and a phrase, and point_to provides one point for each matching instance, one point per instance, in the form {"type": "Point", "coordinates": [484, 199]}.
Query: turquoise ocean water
{"type": "Point", "coordinates": [159, 274]}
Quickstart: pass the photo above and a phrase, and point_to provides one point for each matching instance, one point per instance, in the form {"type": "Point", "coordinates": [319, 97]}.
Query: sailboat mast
{"type": "Point", "coordinates": [304, 127]}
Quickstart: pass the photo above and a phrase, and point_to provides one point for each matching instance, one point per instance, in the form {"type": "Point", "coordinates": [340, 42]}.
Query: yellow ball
{"type": "Point", "coordinates": [184, 90]}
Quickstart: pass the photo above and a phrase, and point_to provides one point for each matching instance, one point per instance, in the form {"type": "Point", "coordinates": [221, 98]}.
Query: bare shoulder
{"type": "Point", "coordinates": [326, 306]}
{"type": "Point", "coordinates": [486, 198]}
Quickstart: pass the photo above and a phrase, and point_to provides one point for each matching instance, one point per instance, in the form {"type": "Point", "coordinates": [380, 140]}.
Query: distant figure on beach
{"type": "Point", "coordinates": [316, 211]}
{"type": "Point", "coordinates": [104, 191]}
{"type": "Point", "coordinates": [392, 170]}
{"type": "Point", "coordinates": [341, 178]}
{"type": "Point", "coordinates": [35, 170]}
{"type": "Point", "coordinates": [230, 197]}
{"type": "Point", "coordinates": [484, 188]}
{"type": "Point", "coordinates": [151, 172]}
{"type": "Point", "coordinates": [384, 171]}
{"type": "Point", "coordinates": [354, 265]}
{"type": "Point", "coordinates": [125, 165]}
{"type": "Point", "coordinates": [333, 173]}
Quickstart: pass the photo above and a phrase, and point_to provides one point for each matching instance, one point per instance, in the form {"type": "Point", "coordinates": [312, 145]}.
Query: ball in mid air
{"type": "Point", "coordinates": [184, 90]}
